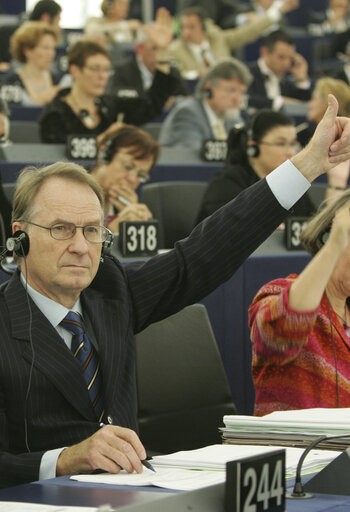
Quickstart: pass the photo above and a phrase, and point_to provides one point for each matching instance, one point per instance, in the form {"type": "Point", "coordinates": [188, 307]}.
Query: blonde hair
{"type": "Point", "coordinates": [28, 35]}
{"type": "Point", "coordinates": [311, 236]}
{"type": "Point", "coordinates": [31, 179]}
{"type": "Point", "coordinates": [339, 88]}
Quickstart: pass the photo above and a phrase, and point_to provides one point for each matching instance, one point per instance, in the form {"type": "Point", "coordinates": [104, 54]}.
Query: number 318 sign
{"type": "Point", "coordinates": [256, 484]}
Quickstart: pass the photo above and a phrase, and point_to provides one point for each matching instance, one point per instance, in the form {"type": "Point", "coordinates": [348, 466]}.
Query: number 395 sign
{"type": "Point", "coordinates": [256, 484]}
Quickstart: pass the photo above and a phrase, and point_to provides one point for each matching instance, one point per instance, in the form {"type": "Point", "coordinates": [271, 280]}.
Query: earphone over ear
{"type": "Point", "coordinates": [252, 149]}
{"type": "Point", "coordinates": [107, 152]}
{"type": "Point", "coordinates": [18, 243]}
{"type": "Point", "coordinates": [208, 92]}
{"type": "Point", "coordinates": [106, 246]}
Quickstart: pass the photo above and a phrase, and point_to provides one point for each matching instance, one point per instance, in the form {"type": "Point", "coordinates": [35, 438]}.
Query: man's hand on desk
{"type": "Point", "coordinates": [110, 449]}
{"type": "Point", "coordinates": [329, 145]}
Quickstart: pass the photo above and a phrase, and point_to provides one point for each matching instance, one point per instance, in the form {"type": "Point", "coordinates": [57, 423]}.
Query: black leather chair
{"type": "Point", "coordinates": [176, 205]}
{"type": "Point", "coordinates": [183, 392]}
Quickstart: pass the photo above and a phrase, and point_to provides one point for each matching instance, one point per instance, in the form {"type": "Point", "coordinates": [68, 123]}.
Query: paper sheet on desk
{"type": "Point", "coordinates": [169, 478]}
{"type": "Point", "coordinates": [193, 469]}
{"type": "Point", "coordinates": [13, 506]}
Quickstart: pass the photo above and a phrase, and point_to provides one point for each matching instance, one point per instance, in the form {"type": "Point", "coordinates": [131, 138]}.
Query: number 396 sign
{"type": "Point", "coordinates": [256, 484]}
{"type": "Point", "coordinates": [138, 238]}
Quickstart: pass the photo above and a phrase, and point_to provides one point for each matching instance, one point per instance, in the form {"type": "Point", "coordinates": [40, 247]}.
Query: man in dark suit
{"type": "Point", "coordinates": [134, 75]}
{"type": "Point", "coordinates": [48, 424]}
{"type": "Point", "coordinates": [280, 75]}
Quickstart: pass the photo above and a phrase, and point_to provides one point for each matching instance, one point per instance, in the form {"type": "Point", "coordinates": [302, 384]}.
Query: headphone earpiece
{"type": "Point", "coordinates": [253, 150]}
{"type": "Point", "coordinates": [106, 246]}
{"type": "Point", "coordinates": [18, 243]}
{"type": "Point", "coordinates": [208, 92]}
{"type": "Point", "coordinates": [107, 152]}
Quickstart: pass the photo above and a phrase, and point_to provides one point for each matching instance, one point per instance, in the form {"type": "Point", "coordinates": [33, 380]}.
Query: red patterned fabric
{"type": "Point", "coordinates": [294, 363]}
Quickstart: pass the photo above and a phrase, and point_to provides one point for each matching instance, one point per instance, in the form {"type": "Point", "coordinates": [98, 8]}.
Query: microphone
{"type": "Point", "coordinates": [298, 490]}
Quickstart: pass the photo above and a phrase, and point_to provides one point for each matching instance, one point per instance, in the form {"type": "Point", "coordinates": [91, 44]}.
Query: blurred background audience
{"type": "Point", "coordinates": [255, 149]}
{"type": "Point", "coordinates": [113, 26]}
{"type": "Point", "coordinates": [33, 45]}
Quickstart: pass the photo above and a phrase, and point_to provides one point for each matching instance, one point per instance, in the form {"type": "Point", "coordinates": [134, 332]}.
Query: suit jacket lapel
{"type": "Point", "coordinates": [102, 314]}
{"type": "Point", "coordinates": [51, 355]}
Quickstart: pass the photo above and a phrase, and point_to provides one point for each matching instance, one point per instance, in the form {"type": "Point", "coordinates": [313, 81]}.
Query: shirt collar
{"type": "Point", "coordinates": [52, 310]}
{"type": "Point", "coordinates": [266, 70]}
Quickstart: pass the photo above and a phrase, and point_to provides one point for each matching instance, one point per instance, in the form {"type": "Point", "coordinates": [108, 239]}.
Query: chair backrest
{"type": "Point", "coordinates": [9, 189]}
{"type": "Point", "coordinates": [183, 392]}
{"type": "Point", "coordinates": [176, 205]}
{"type": "Point", "coordinates": [317, 193]}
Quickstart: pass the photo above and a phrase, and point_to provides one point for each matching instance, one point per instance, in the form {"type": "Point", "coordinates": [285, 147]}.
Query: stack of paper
{"type": "Point", "coordinates": [290, 428]}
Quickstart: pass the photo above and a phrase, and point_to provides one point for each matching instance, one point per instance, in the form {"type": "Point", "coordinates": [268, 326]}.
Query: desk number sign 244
{"type": "Point", "coordinates": [256, 484]}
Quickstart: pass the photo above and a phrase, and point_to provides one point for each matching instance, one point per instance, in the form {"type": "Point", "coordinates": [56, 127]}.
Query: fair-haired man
{"type": "Point", "coordinates": [49, 421]}
{"type": "Point", "coordinates": [212, 111]}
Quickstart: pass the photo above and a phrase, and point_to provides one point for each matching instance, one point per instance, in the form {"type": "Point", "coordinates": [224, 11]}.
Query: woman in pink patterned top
{"type": "Point", "coordinates": [300, 325]}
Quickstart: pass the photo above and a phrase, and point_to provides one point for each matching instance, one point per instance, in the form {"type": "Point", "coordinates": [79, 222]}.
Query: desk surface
{"type": "Point", "coordinates": [60, 491]}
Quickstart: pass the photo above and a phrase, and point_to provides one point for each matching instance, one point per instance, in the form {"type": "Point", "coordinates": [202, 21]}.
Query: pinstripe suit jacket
{"type": "Point", "coordinates": [120, 301]}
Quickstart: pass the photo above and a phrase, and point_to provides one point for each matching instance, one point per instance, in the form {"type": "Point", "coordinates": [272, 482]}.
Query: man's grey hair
{"type": "Point", "coordinates": [225, 69]}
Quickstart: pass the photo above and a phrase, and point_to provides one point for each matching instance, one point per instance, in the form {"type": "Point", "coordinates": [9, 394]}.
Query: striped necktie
{"type": "Point", "coordinates": [87, 357]}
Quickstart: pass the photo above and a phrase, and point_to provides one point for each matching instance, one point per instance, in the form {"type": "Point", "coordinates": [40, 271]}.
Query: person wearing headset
{"type": "Point", "coordinates": [255, 148]}
{"type": "Point", "coordinates": [212, 111]}
{"type": "Point", "coordinates": [300, 325]}
{"type": "Point", "coordinates": [125, 157]}
{"type": "Point", "coordinates": [52, 403]}
{"type": "Point", "coordinates": [84, 109]}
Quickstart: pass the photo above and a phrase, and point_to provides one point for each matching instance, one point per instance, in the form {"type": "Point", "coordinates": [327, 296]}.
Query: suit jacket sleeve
{"type": "Point", "coordinates": [216, 248]}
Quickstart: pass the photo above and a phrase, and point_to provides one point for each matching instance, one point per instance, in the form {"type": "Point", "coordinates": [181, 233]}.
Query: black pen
{"type": "Point", "coordinates": [143, 462]}
{"type": "Point", "coordinates": [147, 465]}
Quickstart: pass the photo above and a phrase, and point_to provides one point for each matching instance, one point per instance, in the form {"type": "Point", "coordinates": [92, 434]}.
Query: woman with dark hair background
{"type": "Point", "coordinates": [264, 142]}
{"type": "Point", "coordinates": [126, 155]}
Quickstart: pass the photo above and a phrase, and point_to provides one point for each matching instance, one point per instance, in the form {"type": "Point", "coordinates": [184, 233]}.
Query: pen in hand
{"type": "Point", "coordinates": [147, 465]}
{"type": "Point", "coordinates": [123, 200]}
{"type": "Point", "coordinates": [143, 462]}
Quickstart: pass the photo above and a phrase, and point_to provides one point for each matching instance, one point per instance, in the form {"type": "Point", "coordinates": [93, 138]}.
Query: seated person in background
{"type": "Point", "coordinates": [300, 325]}
{"type": "Point", "coordinates": [201, 43]}
{"type": "Point", "coordinates": [133, 76]}
{"type": "Point", "coordinates": [266, 140]}
{"type": "Point", "coordinates": [85, 109]}
{"type": "Point", "coordinates": [249, 11]}
{"type": "Point", "coordinates": [271, 85]}
{"type": "Point", "coordinates": [5, 215]}
{"type": "Point", "coordinates": [212, 111]}
{"type": "Point", "coordinates": [222, 12]}
{"type": "Point", "coordinates": [125, 158]}
{"type": "Point", "coordinates": [338, 177]}
{"type": "Point", "coordinates": [45, 10]}
{"type": "Point", "coordinates": [335, 19]}
{"type": "Point", "coordinates": [56, 430]}
{"type": "Point", "coordinates": [48, 11]}
{"type": "Point", "coordinates": [33, 45]}
{"type": "Point", "coordinates": [113, 27]}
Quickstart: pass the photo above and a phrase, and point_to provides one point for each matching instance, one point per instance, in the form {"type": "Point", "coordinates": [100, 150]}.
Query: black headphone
{"type": "Point", "coordinates": [208, 92]}
{"type": "Point", "coordinates": [107, 152]}
{"type": "Point", "coordinates": [252, 150]}
{"type": "Point", "coordinates": [18, 243]}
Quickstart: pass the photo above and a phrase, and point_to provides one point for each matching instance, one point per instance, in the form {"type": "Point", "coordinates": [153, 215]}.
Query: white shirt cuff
{"type": "Point", "coordinates": [287, 184]}
{"type": "Point", "coordinates": [48, 464]}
